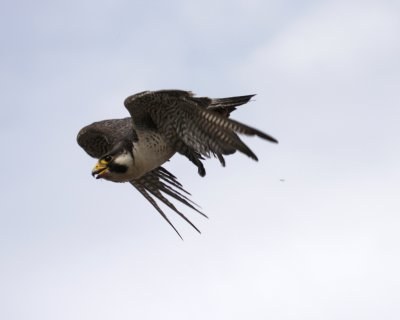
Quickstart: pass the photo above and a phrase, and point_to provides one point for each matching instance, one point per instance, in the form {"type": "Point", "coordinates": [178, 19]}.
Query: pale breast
{"type": "Point", "coordinates": [150, 152]}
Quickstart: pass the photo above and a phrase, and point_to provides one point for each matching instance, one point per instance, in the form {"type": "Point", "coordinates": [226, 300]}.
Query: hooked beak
{"type": "Point", "coordinates": [99, 170]}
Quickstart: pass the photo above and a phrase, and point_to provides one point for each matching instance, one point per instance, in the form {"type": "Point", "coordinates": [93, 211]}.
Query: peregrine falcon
{"type": "Point", "coordinates": [163, 123]}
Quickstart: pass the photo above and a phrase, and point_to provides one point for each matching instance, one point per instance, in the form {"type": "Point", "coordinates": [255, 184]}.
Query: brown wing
{"type": "Point", "coordinates": [189, 122]}
{"type": "Point", "coordinates": [159, 181]}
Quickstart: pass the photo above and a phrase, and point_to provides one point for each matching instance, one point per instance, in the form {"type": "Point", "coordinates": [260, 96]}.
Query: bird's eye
{"type": "Point", "coordinates": [108, 158]}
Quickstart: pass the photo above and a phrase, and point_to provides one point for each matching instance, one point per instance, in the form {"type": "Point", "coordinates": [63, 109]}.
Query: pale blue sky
{"type": "Point", "coordinates": [323, 244]}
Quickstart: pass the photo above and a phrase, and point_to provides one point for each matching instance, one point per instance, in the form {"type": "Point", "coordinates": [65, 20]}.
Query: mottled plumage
{"type": "Point", "coordinates": [162, 123]}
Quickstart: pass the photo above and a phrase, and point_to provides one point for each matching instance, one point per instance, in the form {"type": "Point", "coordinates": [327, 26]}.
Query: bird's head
{"type": "Point", "coordinates": [115, 165]}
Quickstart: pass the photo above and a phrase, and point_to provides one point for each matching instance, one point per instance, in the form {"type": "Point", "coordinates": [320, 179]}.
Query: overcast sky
{"type": "Point", "coordinates": [311, 231]}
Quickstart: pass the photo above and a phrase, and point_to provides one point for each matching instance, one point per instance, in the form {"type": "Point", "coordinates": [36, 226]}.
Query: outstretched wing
{"type": "Point", "coordinates": [190, 124]}
{"type": "Point", "coordinates": [159, 181]}
{"type": "Point", "coordinates": [99, 137]}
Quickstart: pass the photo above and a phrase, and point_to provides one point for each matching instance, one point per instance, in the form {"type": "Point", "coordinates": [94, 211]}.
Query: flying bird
{"type": "Point", "coordinates": [163, 123]}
